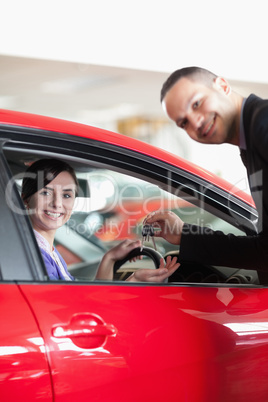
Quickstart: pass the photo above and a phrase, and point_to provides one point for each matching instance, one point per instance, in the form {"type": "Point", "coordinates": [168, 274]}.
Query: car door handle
{"type": "Point", "coordinates": [86, 330]}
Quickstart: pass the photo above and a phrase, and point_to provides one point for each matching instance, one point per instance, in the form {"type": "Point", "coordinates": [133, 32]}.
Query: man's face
{"type": "Point", "coordinates": [207, 114]}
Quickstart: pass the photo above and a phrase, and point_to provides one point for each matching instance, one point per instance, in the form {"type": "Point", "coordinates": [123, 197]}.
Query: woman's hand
{"type": "Point", "coordinates": [122, 249]}
{"type": "Point", "coordinates": [156, 275]}
{"type": "Point", "coordinates": [105, 270]}
{"type": "Point", "coordinates": [169, 225]}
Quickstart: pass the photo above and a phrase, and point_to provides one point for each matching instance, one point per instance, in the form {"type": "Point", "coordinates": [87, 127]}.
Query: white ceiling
{"type": "Point", "coordinates": [229, 37]}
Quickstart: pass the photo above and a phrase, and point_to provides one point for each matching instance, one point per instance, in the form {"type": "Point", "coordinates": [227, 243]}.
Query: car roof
{"type": "Point", "coordinates": [51, 124]}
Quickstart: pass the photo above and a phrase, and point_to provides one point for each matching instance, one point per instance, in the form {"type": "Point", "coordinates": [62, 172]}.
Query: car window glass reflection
{"type": "Point", "coordinates": [115, 211]}
{"type": "Point", "coordinates": [110, 207]}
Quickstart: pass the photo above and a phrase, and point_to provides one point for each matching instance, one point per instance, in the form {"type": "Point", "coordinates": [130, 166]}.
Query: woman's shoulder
{"type": "Point", "coordinates": [50, 264]}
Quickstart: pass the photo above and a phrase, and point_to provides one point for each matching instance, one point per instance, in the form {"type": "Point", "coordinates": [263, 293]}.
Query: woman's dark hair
{"type": "Point", "coordinates": [193, 73]}
{"type": "Point", "coordinates": [41, 173]}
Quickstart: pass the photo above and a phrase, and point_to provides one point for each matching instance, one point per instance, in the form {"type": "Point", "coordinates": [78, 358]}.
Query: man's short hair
{"type": "Point", "coordinates": [192, 73]}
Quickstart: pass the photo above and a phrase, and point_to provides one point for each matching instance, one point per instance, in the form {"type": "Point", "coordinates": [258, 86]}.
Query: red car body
{"type": "Point", "coordinates": [118, 341]}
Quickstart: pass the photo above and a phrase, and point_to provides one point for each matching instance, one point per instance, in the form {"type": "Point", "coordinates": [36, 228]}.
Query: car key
{"type": "Point", "coordinates": [147, 232]}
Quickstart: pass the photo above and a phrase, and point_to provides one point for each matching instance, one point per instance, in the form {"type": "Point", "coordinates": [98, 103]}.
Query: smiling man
{"type": "Point", "coordinates": [204, 105]}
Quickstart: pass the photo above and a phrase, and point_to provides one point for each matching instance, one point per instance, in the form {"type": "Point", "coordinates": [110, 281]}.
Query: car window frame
{"type": "Point", "coordinates": [228, 207]}
{"type": "Point", "coordinates": [142, 166]}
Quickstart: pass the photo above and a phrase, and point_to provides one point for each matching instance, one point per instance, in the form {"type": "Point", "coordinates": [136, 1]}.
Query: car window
{"type": "Point", "coordinates": [111, 207]}
{"type": "Point", "coordinates": [115, 210]}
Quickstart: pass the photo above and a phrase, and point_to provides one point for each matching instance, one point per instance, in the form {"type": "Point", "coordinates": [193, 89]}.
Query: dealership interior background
{"type": "Point", "coordinates": [103, 64]}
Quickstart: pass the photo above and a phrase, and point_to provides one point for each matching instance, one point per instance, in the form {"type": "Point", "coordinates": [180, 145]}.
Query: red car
{"type": "Point", "coordinates": [201, 337]}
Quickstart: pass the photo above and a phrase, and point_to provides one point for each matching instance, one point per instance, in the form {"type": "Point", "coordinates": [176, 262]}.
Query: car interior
{"type": "Point", "coordinates": [111, 206]}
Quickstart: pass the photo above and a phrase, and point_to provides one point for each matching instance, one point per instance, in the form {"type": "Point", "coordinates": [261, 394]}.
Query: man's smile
{"type": "Point", "coordinates": [208, 130]}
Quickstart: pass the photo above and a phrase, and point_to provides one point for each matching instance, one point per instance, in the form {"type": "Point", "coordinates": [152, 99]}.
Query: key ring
{"type": "Point", "coordinates": [146, 233]}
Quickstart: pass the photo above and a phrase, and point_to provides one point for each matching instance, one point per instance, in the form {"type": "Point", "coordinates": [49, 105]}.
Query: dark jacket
{"type": "Point", "coordinates": [248, 252]}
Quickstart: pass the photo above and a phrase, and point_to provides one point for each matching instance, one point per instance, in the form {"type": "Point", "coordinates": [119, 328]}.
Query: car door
{"type": "Point", "coordinates": [120, 342]}
{"type": "Point", "coordinates": [117, 340]}
{"type": "Point", "coordinates": [176, 341]}
{"type": "Point", "coordinates": [24, 368]}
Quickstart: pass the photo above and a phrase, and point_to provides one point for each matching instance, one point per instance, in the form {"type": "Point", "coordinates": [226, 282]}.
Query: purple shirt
{"type": "Point", "coordinates": [55, 265]}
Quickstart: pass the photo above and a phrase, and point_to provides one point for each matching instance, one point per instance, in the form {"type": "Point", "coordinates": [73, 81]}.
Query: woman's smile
{"type": "Point", "coordinates": [54, 215]}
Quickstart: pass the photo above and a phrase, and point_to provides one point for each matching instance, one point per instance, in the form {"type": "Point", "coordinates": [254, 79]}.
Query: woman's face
{"type": "Point", "coordinates": [52, 206]}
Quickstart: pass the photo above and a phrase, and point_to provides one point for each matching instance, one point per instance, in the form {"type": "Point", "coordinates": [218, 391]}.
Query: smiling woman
{"type": "Point", "coordinates": [49, 190]}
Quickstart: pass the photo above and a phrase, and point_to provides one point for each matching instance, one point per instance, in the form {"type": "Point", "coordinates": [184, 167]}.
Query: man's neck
{"type": "Point", "coordinates": [238, 101]}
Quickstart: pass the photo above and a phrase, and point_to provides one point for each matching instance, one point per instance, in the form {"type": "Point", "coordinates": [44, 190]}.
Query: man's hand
{"type": "Point", "coordinates": [169, 225]}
